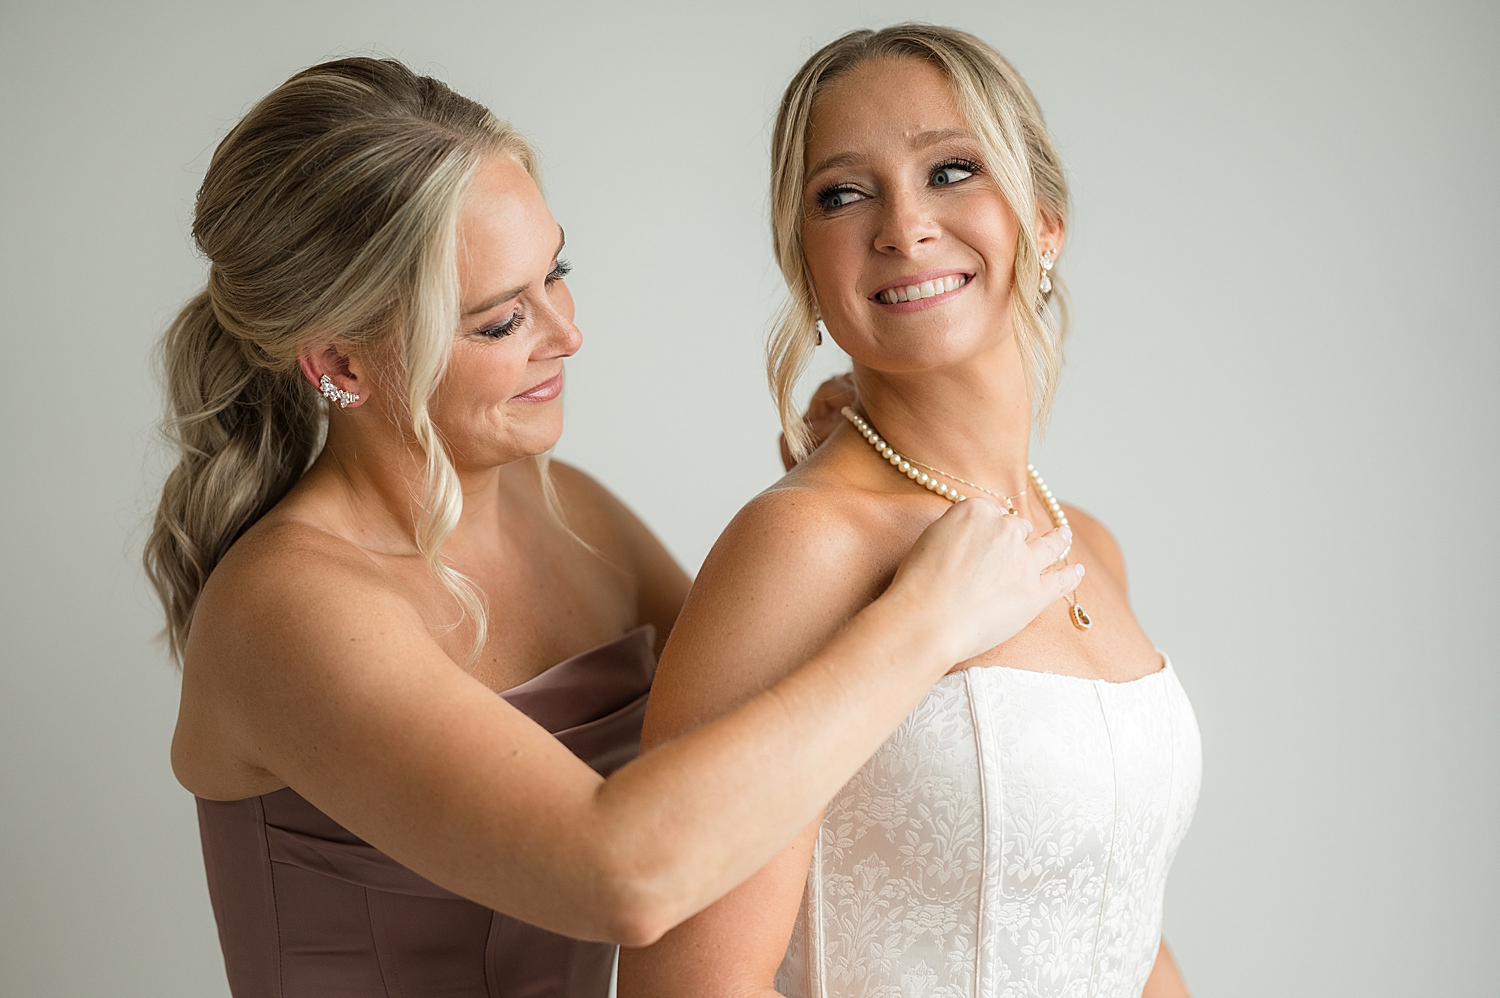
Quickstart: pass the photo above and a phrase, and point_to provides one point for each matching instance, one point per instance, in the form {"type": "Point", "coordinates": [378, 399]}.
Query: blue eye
{"type": "Point", "coordinates": [838, 197]}
{"type": "Point", "coordinates": [950, 174]}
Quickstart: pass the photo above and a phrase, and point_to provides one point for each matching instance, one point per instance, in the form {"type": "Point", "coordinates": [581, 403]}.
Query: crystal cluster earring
{"type": "Point", "coordinates": [334, 393]}
{"type": "Point", "coordinates": [1049, 258]}
{"type": "Point", "coordinates": [821, 329]}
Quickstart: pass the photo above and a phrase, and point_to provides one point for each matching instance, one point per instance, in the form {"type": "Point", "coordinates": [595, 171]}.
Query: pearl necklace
{"type": "Point", "coordinates": [911, 469]}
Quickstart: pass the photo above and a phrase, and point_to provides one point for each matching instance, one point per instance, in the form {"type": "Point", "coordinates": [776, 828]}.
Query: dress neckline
{"type": "Point", "coordinates": [1166, 667]}
{"type": "Point", "coordinates": [646, 633]}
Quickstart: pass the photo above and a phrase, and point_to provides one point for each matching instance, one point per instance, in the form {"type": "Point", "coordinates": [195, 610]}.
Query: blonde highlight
{"type": "Point", "coordinates": [328, 214]}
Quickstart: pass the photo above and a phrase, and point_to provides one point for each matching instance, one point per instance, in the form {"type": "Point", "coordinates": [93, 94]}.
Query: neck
{"type": "Point", "coordinates": [972, 420]}
{"type": "Point", "coordinates": [381, 479]}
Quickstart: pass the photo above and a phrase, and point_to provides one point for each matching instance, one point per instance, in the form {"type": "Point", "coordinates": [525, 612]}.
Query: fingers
{"type": "Point", "coordinates": [831, 397]}
{"type": "Point", "coordinates": [823, 413]}
{"type": "Point", "coordinates": [1060, 581]}
{"type": "Point", "coordinates": [1052, 545]}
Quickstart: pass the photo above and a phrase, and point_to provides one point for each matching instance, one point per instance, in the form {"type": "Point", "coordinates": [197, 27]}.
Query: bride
{"type": "Point", "coordinates": [1013, 837]}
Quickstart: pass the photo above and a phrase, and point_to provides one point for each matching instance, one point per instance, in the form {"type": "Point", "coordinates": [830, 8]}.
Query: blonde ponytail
{"type": "Point", "coordinates": [328, 214]}
{"type": "Point", "coordinates": [244, 435]}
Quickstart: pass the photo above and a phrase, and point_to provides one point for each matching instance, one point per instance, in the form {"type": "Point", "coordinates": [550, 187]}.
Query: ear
{"type": "Point", "coordinates": [1050, 234]}
{"type": "Point", "coordinates": [346, 373]}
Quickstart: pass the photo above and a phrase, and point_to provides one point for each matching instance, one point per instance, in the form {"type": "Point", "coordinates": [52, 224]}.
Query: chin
{"type": "Point", "coordinates": [508, 441]}
{"type": "Point", "coordinates": [924, 353]}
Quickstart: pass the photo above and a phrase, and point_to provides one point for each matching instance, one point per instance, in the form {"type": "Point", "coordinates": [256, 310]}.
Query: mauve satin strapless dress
{"type": "Point", "coordinates": [306, 909]}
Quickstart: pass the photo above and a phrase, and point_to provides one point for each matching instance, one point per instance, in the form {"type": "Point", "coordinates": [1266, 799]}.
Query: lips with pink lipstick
{"type": "Point", "coordinates": [924, 290]}
{"type": "Point", "coordinates": [544, 392]}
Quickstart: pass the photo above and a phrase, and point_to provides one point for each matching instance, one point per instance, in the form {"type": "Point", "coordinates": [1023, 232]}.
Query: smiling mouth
{"type": "Point", "coordinates": [544, 392]}
{"type": "Point", "coordinates": [927, 289]}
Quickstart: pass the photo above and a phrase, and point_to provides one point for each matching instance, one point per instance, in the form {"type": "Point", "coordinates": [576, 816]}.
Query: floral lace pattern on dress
{"type": "Point", "coordinates": [1011, 839]}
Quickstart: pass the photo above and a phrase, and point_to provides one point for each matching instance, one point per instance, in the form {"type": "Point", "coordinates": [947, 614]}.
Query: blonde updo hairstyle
{"type": "Point", "coordinates": [328, 215]}
{"type": "Point", "coordinates": [1018, 154]}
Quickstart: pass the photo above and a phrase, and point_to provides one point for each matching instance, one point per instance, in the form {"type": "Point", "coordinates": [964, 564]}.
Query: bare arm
{"type": "Point", "coordinates": [772, 601]}
{"type": "Point", "coordinates": [329, 682]}
{"type": "Point", "coordinates": [764, 598]}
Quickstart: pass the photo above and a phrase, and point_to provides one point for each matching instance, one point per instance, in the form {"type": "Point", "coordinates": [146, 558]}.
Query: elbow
{"type": "Point", "coordinates": [637, 916]}
{"type": "Point", "coordinates": [642, 895]}
{"type": "Point", "coordinates": [638, 931]}
{"type": "Point", "coordinates": [644, 882]}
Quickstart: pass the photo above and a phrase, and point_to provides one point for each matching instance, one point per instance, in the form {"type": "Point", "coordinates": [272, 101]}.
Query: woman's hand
{"type": "Point", "coordinates": [981, 577]}
{"type": "Point", "coordinates": [823, 413]}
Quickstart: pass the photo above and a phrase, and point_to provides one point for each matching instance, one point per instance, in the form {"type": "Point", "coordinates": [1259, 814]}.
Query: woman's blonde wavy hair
{"type": "Point", "coordinates": [328, 214]}
{"type": "Point", "coordinates": [1018, 152]}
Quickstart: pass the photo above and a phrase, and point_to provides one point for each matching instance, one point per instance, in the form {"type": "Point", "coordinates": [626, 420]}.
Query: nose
{"type": "Point", "coordinates": [562, 339]}
{"type": "Point", "coordinates": [559, 336]}
{"type": "Point", "coordinates": [906, 224]}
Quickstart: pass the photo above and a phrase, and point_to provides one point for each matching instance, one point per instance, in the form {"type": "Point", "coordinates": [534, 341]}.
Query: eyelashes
{"type": "Point", "coordinates": [515, 320]}
{"type": "Point", "coordinates": [965, 166]}
{"type": "Point", "coordinates": [503, 329]}
{"type": "Point", "coordinates": [835, 196]}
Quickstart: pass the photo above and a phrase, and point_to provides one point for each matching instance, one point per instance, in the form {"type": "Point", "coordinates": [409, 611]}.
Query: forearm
{"type": "Point", "coordinates": [692, 819]}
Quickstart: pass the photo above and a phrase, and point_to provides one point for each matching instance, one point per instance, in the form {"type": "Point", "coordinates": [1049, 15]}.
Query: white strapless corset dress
{"type": "Point", "coordinates": [1011, 839]}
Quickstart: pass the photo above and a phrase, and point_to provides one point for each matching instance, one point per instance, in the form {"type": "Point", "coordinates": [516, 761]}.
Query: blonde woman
{"type": "Point", "coordinates": [1013, 837]}
{"type": "Point", "coordinates": [376, 820]}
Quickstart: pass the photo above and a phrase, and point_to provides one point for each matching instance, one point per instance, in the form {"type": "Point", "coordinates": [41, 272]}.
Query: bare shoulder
{"type": "Point", "coordinates": [290, 611]}
{"type": "Point", "coordinates": [790, 569]}
{"type": "Point", "coordinates": [595, 513]}
{"type": "Point", "coordinates": [796, 536]}
{"type": "Point", "coordinates": [573, 483]}
{"type": "Point", "coordinates": [1097, 538]}
{"type": "Point", "coordinates": [290, 622]}
{"type": "Point", "coordinates": [282, 576]}
{"type": "Point", "coordinates": [603, 520]}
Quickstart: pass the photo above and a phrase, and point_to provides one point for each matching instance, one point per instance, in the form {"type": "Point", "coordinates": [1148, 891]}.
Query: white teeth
{"type": "Point", "coordinates": [927, 289]}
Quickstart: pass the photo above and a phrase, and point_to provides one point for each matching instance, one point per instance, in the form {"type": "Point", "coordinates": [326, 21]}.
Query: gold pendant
{"type": "Point", "coordinates": [1081, 618]}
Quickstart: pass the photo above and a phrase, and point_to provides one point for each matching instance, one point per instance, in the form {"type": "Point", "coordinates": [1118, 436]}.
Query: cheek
{"type": "Point", "coordinates": [480, 376]}
{"type": "Point", "coordinates": [834, 258]}
{"type": "Point", "coordinates": [988, 226]}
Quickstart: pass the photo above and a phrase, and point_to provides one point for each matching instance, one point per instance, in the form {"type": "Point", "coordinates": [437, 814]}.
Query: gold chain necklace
{"type": "Point", "coordinates": [912, 470]}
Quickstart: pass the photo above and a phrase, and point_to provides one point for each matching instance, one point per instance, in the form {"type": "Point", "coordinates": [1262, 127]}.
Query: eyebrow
{"type": "Point", "coordinates": [507, 295]}
{"type": "Point", "coordinates": [919, 141]}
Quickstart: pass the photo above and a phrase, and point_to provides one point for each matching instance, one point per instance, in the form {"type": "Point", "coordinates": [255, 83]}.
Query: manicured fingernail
{"type": "Point", "coordinates": [1078, 568]}
{"type": "Point", "coordinates": [1066, 533]}
{"type": "Point", "coordinates": [1029, 527]}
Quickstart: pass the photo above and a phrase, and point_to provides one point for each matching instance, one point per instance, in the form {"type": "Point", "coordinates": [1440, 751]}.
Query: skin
{"type": "Point", "coordinates": [323, 654]}
{"type": "Point", "coordinates": [885, 200]}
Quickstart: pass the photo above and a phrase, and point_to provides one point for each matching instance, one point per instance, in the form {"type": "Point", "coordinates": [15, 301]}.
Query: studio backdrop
{"type": "Point", "coordinates": [1280, 393]}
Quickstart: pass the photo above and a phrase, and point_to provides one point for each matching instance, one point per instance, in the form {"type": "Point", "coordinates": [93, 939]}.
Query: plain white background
{"type": "Point", "coordinates": [1281, 395]}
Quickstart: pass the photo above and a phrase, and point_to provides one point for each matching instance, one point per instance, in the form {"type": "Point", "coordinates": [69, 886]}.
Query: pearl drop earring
{"type": "Point", "coordinates": [1049, 258]}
